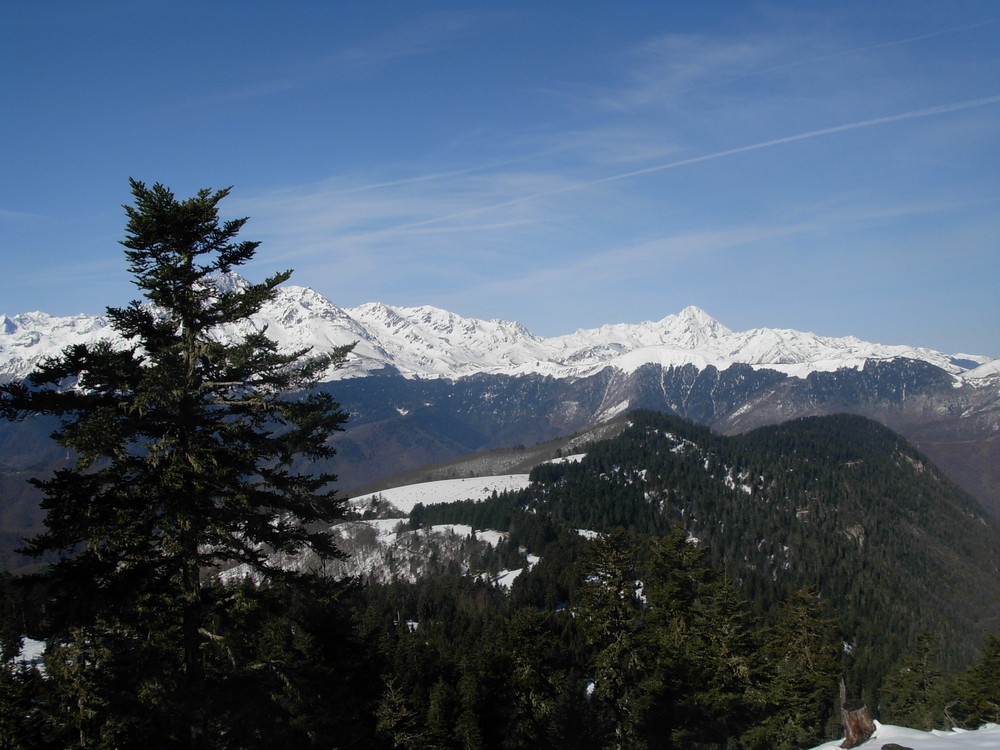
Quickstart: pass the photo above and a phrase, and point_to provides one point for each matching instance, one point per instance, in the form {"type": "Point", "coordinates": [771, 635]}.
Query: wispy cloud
{"type": "Point", "coordinates": [604, 275]}
{"type": "Point", "coordinates": [657, 72]}
{"type": "Point", "coordinates": [18, 215]}
{"type": "Point", "coordinates": [575, 186]}
{"type": "Point", "coordinates": [858, 50]}
{"type": "Point", "coordinates": [915, 114]}
{"type": "Point", "coordinates": [418, 37]}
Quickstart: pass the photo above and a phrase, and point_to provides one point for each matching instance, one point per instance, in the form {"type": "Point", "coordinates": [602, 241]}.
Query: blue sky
{"type": "Point", "coordinates": [830, 167]}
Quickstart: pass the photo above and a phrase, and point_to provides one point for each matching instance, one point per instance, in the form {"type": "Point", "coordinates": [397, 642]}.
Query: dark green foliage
{"type": "Point", "coordinates": [914, 693]}
{"type": "Point", "coordinates": [978, 690]}
{"type": "Point", "coordinates": [707, 649]}
{"type": "Point", "coordinates": [184, 445]}
{"type": "Point", "coordinates": [802, 652]}
{"type": "Point", "coordinates": [614, 621]}
{"type": "Point", "coordinates": [461, 668]}
{"type": "Point", "coordinates": [24, 723]}
{"type": "Point", "coordinates": [285, 668]}
{"type": "Point", "coordinates": [670, 651]}
{"type": "Point", "coordinates": [538, 672]}
{"type": "Point", "coordinates": [918, 692]}
{"type": "Point", "coordinates": [839, 501]}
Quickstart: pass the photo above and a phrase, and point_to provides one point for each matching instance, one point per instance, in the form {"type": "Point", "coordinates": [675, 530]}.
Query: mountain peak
{"type": "Point", "coordinates": [427, 342]}
{"type": "Point", "coordinates": [693, 327]}
{"type": "Point", "coordinates": [229, 282]}
{"type": "Point", "coordinates": [696, 313]}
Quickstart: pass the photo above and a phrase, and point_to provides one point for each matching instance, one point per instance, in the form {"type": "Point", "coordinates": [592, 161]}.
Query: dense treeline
{"type": "Point", "coordinates": [652, 648]}
{"type": "Point", "coordinates": [455, 662]}
{"type": "Point", "coordinates": [840, 502]}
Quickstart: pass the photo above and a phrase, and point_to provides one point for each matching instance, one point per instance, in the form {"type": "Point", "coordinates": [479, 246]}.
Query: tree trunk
{"type": "Point", "coordinates": [858, 725]}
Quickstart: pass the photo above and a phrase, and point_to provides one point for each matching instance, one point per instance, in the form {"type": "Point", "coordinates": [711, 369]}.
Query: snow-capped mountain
{"type": "Point", "coordinates": [29, 337]}
{"type": "Point", "coordinates": [427, 342]}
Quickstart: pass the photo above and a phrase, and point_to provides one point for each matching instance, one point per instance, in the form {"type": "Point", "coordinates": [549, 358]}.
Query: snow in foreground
{"type": "Point", "coordinates": [986, 737]}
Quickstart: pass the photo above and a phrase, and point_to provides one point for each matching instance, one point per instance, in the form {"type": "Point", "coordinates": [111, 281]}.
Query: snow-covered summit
{"type": "Point", "coordinates": [29, 337]}
{"type": "Point", "coordinates": [985, 370]}
{"type": "Point", "coordinates": [426, 341]}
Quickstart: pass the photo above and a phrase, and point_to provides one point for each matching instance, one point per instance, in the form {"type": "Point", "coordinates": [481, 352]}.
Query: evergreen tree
{"type": "Point", "coordinates": [184, 442]}
{"type": "Point", "coordinates": [23, 723]}
{"type": "Point", "coordinates": [913, 693]}
{"type": "Point", "coordinates": [979, 688]}
{"type": "Point", "coordinates": [536, 677]}
{"type": "Point", "coordinates": [613, 617]}
{"type": "Point", "coordinates": [442, 714]}
{"type": "Point", "coordinates": [398, 720]}
{"type": "Point", "coordinates": [705, 651]}
{"type": "Point", "coordinates": [802, 648]}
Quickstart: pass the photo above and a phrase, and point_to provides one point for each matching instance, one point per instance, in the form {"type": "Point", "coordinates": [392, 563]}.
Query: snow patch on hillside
{"type": "Point", "coordinates": [506, 578]}
{"type": "Point", "coordinates": [989, 369]}
{"type": "Point", "coordinates": [443, 491]}
{"type": "Point", "coordinates": [574, 459]}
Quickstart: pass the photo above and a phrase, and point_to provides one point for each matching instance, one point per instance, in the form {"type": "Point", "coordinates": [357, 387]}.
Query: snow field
{"type": "Point", "coordinates": [986, 737]}
{"type": "Point", "coordinates": [406, 498]}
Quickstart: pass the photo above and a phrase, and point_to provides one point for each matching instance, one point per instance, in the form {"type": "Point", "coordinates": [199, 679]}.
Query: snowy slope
{"type": "Point", "coordinates": [29, 337]}
{"type": "Point", "coordinates": [986, 737]}
{"type": "Point", "coordinates": [405, 498]}
{"type": "Point", "coordinates": [983, 371]}
{"type": "Point", "coordinates": [385, 549]}
{"type": "Point", "coordinates": [426, 342]}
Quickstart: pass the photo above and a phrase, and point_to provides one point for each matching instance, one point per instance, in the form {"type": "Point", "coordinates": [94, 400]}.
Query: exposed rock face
{"type": "Point", "coordinates": [397, 423]}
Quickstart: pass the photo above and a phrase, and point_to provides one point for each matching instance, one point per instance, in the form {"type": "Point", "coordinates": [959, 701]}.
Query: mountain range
{"type": "Point", "coordinates": [427, 342]}
{"type": "Point", "coordinates": [425, 386]}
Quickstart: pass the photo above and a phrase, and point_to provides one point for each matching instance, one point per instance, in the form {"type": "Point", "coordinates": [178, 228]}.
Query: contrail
{"type": "Point", "coordinates": [930, 111]}
{"type": "Point", "coordinates": [427, 177]}
{"type": "Point", "coordinates": [913, 115]}
{"type": "Point", "coordinates": [842, 53]}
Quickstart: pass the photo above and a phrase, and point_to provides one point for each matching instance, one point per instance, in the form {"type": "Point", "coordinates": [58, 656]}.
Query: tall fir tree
{"type": "Point", "coordinates": [184, 441]}
{"type": "Point", "coordinates": [979, 687]}
{"type": "Point", "coordinates": [705, 648]}
{"type": "Point", "coordinates": [803, 651]}
{"type": "Point", "coordinates": [914, 691]}
{"type": "Point", "coordinates": [611, 608]}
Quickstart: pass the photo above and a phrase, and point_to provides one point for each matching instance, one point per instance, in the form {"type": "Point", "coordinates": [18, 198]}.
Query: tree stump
{"type": "Point", "coordinates": [858, 725]}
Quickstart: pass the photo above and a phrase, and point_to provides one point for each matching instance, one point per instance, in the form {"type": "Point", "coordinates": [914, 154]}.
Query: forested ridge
{"type": "Point", "coordinates": [691, 590]}
{"type": "Point", "coordinates": [664, 630]}
{"type": "Point", "coordinates": [838, 502]}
